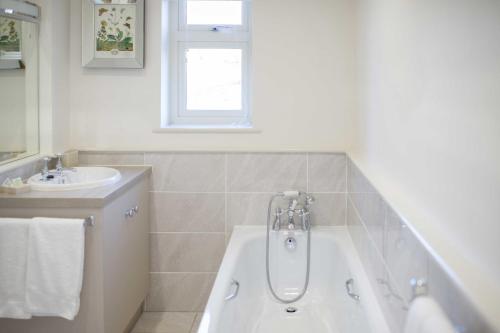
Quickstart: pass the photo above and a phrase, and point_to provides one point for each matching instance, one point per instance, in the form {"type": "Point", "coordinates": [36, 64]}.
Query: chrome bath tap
{"type": "Point", "coordinates": [292, 204]}
{"type": "Point", "coordinates": [277, 220]}
{"type": "Point", "coordinates": [299, 204]}
{"type": "Point", "coordinates": [305, 218]}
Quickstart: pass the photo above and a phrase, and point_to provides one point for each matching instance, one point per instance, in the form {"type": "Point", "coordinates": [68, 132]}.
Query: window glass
{"type": "Point", "coordinates": [214, 79]}
{"type": "Point", "coordinates": [214, 12]}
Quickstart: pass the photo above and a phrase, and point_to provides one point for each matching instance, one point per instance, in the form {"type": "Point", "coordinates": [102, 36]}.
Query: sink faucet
{"type": "Point", "coordinates": [59, 165]}
{"type": "Point", "coordinates": [60, 168]}
{"type": "Point", "coordinates": [58, 175]}
{"type": "Point", "coordinates": [45, 169]}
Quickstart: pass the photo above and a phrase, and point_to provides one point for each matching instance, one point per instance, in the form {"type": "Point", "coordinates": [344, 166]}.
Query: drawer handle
{"type": "Point", "coordinates": [132, 211]}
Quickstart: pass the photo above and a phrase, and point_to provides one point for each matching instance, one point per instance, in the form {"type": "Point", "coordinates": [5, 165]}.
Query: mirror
{"type": "Point", "coordinates": [18, 82]}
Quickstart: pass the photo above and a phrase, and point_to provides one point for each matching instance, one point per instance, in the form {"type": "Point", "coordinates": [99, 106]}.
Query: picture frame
{"type": "Point", "coordinates": [113, 33]}
{"type": "Point", "coordinates": [11, 43]}
{"type": "Point", "coordinates": [10, 38]}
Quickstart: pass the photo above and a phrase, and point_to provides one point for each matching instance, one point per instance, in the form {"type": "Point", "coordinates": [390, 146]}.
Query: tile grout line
{"type": "Point", "coordinates": [346, 170]}
{"type": "Point", "coordinates": [225, 199]}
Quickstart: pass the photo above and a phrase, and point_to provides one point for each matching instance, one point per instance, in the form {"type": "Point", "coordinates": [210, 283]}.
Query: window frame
{"type": "Point", "coordinates": [181, 37]}
{"type": "Point", "coordinates": [184, 26]}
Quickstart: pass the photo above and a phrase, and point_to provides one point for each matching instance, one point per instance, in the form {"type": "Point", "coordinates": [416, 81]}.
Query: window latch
{"type": "Point", "coordinates": [220, 28]}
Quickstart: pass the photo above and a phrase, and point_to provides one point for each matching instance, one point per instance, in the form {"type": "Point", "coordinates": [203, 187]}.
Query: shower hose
{"type": "Point", "coordinates": [306, 283]}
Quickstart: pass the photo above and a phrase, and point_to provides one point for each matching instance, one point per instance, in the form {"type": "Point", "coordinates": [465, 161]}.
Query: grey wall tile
{"type": "Point", "coordinates": [255, 172]}
{"type": "Point", "coordinates": [406, 258]}
{"type": "Point", "coordinates": [110, 158]}
{"type": "Point", "coordinates": [179, 291]}
{"type": "Point", "coordinates": [187, 172]}
{"type": "Point", "coordinates": [392, 303]}
{"type": "Point", "coordinates": [363, 244]}
{"type": "Point", "coordinates": [368, 203]}
{"type": "Point", "coordinates": [356, 181]}
{"type": "Point", "coordinates": [327, 172]}
{"type": "Point", "coordinates": [372, 211]}
{"type": "Point", "coordinates": [328, 209]}
{"type": "Point", "coordinates": [186, 252]}
{"type": "Point", "coordinates": [251, 209]}
{"type": "Point", "coordinates": [246, 209]}
{"type": "Point", "coordinates": [186, 212]}
{"type": "Point", "coordinates": [403, 257]}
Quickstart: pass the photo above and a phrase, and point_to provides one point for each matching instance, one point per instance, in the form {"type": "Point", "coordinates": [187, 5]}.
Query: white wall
{"type": "Point", "coordinates": [54, 76]}
{"type": "Point", "coordinates": [429, 126]}
{"type": "Point", "coordinates": [303, 85]}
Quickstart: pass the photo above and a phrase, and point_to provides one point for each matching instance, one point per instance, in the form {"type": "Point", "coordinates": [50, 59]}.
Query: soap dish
{"type": "Point", "coordinates": [15, 190]}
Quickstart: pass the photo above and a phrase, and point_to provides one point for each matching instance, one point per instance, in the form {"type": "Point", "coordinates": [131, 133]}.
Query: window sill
{"type": "Point", "coordinates": [241, 130]}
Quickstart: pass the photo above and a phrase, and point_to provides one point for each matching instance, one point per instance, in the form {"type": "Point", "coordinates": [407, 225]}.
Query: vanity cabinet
{"type": "Point", "coordinates": [125, 256]}
{"type": "Point", "coordinates": [116, 269]}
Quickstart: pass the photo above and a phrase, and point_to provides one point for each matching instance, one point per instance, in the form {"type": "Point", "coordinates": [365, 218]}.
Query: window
{"type": "Point", "coordinates": [206, 64]}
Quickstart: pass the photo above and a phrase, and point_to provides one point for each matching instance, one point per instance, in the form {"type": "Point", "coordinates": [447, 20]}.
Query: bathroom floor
{"type": "Point", "coordinates": [168, 322]}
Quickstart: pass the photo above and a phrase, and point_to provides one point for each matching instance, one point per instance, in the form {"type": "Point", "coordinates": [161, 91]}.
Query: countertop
{"type": "Point", "coordinates": [87, 198]}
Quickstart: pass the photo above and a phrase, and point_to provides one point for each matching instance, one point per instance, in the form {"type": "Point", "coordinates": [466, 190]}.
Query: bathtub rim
{"type": "Point", "coordinates": [245, 233]}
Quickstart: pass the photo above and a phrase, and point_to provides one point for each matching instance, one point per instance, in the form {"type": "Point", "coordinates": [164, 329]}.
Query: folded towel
{"type": "Point", "coordinates": [426, 316]}
{"type": "Point", "coordinates": [55, 267]}
{"type": "Point", "coordinates": [13, 251]}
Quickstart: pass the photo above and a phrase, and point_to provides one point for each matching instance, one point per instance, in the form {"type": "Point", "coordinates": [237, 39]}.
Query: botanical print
{"type": "Point", "coordinates": [115, 31]}
{"type": "Point", "coordinates": [10, 36]}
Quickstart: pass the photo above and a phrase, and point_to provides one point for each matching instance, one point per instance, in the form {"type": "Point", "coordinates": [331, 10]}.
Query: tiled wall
{"type": "Point", "coordinates": [392, 255]}
{"type": "Point", "coordinates": [197, 198]}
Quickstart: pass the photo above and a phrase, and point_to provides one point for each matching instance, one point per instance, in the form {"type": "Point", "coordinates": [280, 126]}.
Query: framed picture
{"type": "Point", "coordinates": [113, 33]}
{"type": "Point", "coordinates": [10, 39]}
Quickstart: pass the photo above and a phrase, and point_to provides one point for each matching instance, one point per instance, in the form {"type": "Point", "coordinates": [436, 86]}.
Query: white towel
{"type": "Point", "coordinates": [55, 267]}
{"type": "Point", "coordinates": [13, 252]}
{"type": "Point", "coordinates": [426, 316]}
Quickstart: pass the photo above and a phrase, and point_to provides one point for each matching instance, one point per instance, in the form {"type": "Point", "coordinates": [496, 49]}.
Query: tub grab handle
{"type": "Point", "coordinates": [348, 286]}
{"type": "Point", "coordinates": [232, 295]}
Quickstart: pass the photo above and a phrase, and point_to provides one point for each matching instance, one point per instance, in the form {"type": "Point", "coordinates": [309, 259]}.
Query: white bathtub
{"type": "Point", "coordinates": [325, 308]}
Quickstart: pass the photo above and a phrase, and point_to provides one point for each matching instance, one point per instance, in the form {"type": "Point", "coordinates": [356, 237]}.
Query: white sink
{"type": "Point", "coordinates": [76, 179]}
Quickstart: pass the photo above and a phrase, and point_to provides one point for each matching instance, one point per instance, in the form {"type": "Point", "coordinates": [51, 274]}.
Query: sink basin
{"type": "Point", "coordinates": [76, 179]}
